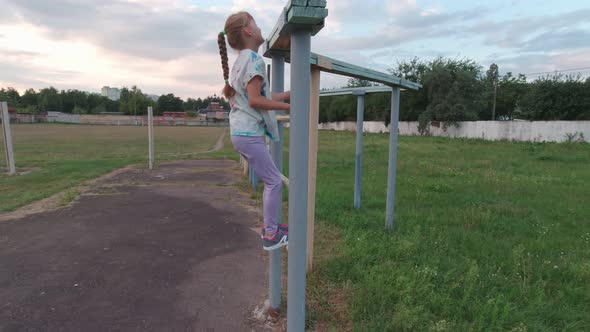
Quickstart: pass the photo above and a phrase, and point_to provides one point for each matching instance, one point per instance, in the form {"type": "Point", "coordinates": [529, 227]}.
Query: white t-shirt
{"type": "Point", "coordinates": [243, 119]}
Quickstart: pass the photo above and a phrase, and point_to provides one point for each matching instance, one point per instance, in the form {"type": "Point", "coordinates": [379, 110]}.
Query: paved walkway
{"type": "Point", "coordinates": [173, 249]}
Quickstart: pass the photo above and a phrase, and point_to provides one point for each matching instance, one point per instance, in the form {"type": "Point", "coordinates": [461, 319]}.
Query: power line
{"type": "Point", "coordinates": [557, 71]}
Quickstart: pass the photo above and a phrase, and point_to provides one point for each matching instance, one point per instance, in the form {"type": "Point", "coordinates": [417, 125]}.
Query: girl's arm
{"type": "Point", "coordinates": [259, 102]}
{"type": "Point", "coordinates": [281, 96]}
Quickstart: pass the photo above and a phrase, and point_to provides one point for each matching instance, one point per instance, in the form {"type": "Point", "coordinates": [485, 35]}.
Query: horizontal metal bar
{"type": "Point", "coordinates": [355, 90]}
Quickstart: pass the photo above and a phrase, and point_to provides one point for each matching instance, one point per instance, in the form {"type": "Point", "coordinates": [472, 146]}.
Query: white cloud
{"type": "Point", "coordinates": [402, 6]}
{"type": "Point", "coordinates": [170, 46]}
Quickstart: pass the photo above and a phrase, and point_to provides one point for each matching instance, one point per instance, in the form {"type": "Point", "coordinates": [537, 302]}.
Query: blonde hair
{"type": "Point", "coordinates": [233, 30]}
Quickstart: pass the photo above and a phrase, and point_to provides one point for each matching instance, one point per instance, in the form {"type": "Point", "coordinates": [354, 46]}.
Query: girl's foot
{"type": "Point", "coordinates": [284, 227]}
{"type": "Point", "coordinates": [279, 239]}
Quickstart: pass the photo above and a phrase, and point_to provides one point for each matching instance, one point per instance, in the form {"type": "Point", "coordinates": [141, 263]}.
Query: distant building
{"type": "Point", "coordinates": [215, 111]}
{"type": "Point", "coordinates": [213, 106]}
{"type": "Point", "coordinates": [111, 93]}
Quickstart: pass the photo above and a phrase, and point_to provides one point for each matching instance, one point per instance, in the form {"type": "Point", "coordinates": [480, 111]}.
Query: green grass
{"type": "Point", "coordinates": [60, 157]}
{"type": "Point", "coordinates": [488, 235]}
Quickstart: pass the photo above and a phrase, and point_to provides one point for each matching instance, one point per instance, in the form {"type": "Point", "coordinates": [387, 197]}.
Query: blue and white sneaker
{"type": "Point", "coordinates": [284, 227]}
{"type": "Point", "coordinates": [280, 239]}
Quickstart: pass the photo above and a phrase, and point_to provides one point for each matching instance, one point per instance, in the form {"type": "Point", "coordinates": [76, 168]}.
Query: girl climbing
{"type": "Point", "coordinates": [252, 116]}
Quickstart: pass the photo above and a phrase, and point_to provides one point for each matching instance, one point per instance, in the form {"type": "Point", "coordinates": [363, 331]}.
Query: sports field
{"type": "Point", "coordinates": [488, 235]}
{"type": "Point", "coordinates": [59, 157]}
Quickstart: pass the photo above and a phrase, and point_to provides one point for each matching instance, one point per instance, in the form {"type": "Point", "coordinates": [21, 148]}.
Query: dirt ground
{"type": "Point", "coordinates": [173, 249]}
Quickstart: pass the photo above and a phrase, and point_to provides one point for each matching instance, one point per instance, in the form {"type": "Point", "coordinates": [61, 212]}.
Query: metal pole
{"type": "Point", "coordinates": [151, 136]}
{"type": "Point", "coordinates": [8, 148]}
{"type": "Point", "coordinates": [359, 147]}
{"type": "Point", "coordinates": [276, 151]}
{"type": "Point", "coordinates": [253, 178]}
{"type": "Point", "coordinates": [298, 176]}
{"type": "Point", "coordinates": [392, 169]}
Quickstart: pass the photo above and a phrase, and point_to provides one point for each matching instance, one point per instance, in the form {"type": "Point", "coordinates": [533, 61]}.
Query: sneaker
{"type": "Point", "coordinates": [284, 227]}
{"type": "Point", "coordinates": [280, 239]}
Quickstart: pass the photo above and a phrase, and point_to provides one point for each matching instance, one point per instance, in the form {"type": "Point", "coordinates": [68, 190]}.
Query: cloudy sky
{"type": "Point", "coordinates": [170, 45]}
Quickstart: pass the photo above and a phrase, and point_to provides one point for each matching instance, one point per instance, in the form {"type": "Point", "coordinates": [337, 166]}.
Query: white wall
{"type": "Point", "coordinates": [534, 131]}
{"type": "Point", "coordinates": [63, 117]}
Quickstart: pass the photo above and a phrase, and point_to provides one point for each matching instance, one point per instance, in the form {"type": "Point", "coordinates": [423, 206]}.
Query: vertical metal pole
{"type": "Point", "coordinates": [360, 107]}
{"type": "Point", "coordinates": [276, 151]}
{"type": "Point", "coordinates": [298, 177]}
{"type": "Point", "coordinates": [253, 178]}
{"type": "Point", "coordinates": [151, 136]}
{"type": "Point", "coordinates": [314, 114]}
{"type": "Point", "coordinates": [8, 148]}
{"type": "Point", "coordinates": [250, 178]}
{"type": "Point", "coordinates": [392, 169]}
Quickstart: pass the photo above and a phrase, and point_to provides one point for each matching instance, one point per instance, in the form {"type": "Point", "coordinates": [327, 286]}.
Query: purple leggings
{"type": "Point", "coordinates": [253, 149]}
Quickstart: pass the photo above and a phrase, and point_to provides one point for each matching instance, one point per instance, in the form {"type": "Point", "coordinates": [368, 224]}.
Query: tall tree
{"type": "Point", "coordinates": [169, 103]}
{"type": "Point", "coordinates": [492, 77]}
{"type": "Point", "coordinates": [454, 91]}
{"type": "Point", "coordinates": [74, 99]}
{"type": "Point", "coordinates": [49, 100]}
{"type": "Point", "coordinates": [556, 97]}
{"type": "Point", "coordinates": [190, 105]}
{"type": "Point", "coordinates": [134, 102]}
{"type": "Point", "coordinates": [412, 102]}
{"type": "Point", "coordinates": [11, 96]}
{"type": "Point", "coordinates": [29, 100]}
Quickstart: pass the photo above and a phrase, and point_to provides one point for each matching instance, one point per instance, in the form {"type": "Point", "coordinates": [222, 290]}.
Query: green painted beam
{"type": "Point", "coordinates": [338, 67]}
{"type": "Point", "coordinates": [317, 3]}
{"type": "Point", "coordinates": [291, 3]}
{"type": "Point", "coordinates": [349, 91]}
{"type": "Point", "coordinates": [312, 14]}
{"type": "Point", "coordinates": [307, 15]}
{"type": "Point", "coordinates": [307, 3]}
{"type": "Point", "coordinates": [347, 69]}
{"type": "Point", "coordinates": [297, 13]}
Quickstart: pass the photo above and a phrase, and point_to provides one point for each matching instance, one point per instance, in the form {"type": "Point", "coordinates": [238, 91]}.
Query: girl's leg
{"type": "Point", "coordinates": [255, 151]}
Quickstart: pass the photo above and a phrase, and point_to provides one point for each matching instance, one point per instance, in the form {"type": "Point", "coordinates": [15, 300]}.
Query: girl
{"type": "Point", "coordinates": [251, 116]}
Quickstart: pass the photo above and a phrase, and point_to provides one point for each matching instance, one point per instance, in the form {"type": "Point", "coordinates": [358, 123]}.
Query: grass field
{"type": "Point", "coordinates": [63, 156]}
{"type": "Point", "coordinates": [489, 235]}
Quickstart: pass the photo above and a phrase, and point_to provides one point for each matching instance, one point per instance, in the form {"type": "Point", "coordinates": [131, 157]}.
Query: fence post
{"type": "Point", "coordinates": [151, 136]}
{"type": "Point", "coordinates": [392, 167]}
{"type": "Point", "coordinates": [8, 148]}
{"type": "Point", "coordinates": [276, 151]}
{"type": "Point", "coordinates": [298, 175]}
{"type": "Point", "coordinates": [360, 108]}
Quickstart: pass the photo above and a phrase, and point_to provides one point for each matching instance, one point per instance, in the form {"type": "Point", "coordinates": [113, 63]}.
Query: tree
{"type": "Point", "coordinates": [454, 92]}
{"type": "Point", "coordinates": [29, 98]}
{"type": "Point", "coordinates": [354, 82]}
{"type": "Point", "coordinates": [170, 103]}
{"type": "Point", "coordinates": [111, 106]}
{"type": "Point", "coordinates": [124, 101]}
{"type": "Point", "coordinates": [337, 108]}
{"type": "Point", "coordinates": [190, 105]}
{"type": "Point", "coordinates": [74, 99]}
{"type": "Point", "coordinates": [224, 103]}
{"type": "Point", "coordinates": [200, 104]}
{"type": "Point", "coordinates": [510, 91]}
{"type": "Point", "coordinates": [49, 100]}
{"type": "Point", "coordinates": [10, 96]}
{"type": "Point", "coordinates": [556, 97]}
{"type": "Point", "coordinates": [134, 102]}
{"type": "Point", "coordinates": [492, 76]}
{"type": "Point", "coordinates": [412, 102]}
